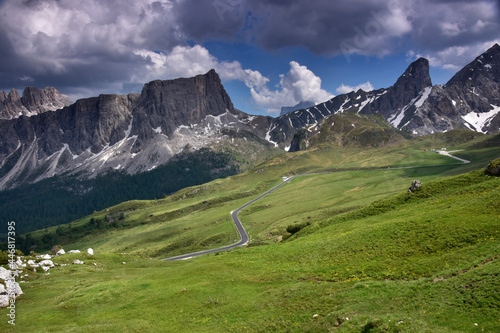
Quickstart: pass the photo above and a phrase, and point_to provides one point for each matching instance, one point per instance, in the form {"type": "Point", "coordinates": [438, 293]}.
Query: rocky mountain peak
{"type": "Point", "coordinates": [183, 101]}
{"type": "Point", "coordinates": [34, 101]}
{"type": "Point", "coordinates": [13, 95]}
{"type": "Point", "coordinates": [409, 86]}
{"type": "Point", "coordinates": [131, 133]}
{"type": "Point", "coordinates": [470, 99]}
{"type": "Point", "coordinates": [485, 67]}
{"type": "Point", "coordinates": [416, 77]}
{"type": "Point", "coordinates": [44, 100]}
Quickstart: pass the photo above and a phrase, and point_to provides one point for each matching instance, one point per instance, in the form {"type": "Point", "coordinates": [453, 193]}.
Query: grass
{"type": "Point", "coordinates": [375, 258]}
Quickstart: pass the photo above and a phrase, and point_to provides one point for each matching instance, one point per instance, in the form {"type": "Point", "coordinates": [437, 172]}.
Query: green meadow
{"type": "Point", "coordinates": [348, 249]}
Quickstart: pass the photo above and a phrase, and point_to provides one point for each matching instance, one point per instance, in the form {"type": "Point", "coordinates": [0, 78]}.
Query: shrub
{"type": "Point", "coordinates": [294, 228]}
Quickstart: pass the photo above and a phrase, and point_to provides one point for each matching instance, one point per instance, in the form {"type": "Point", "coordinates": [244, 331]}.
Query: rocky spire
{"type": "Point", "coordinates": [408, 87]}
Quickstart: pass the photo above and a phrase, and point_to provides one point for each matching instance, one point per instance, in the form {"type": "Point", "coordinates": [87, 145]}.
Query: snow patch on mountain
{"type": "Point", "coordinates": [477, 120]}
{"type": "Point", "coordinates": [423, 97]}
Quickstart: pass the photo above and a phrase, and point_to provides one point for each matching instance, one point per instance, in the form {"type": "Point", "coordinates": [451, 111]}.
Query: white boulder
{"type": "Point", "coordinates": [46, 264]}
{"type": "Point", "coordinates": [4, 298]}
{"type": "Point", "coordinates": [32, 263]}
{"type": "Point", "coordinates": [19, 262]}
{"type": "Point", "coordinates": [77, 262]}
{"type": "Point", "coordinates": [90, 251]}
{"type": "Point", "coordinates": [60, 252]}
{"type": "Point", "coordinates": [73, 251]}
{"type": "Point", "coordinates": [15, 287]}
{"type": "Point", "coordinates": [46, 256]}
{"type": "Point", "coordinates": [4, 273]}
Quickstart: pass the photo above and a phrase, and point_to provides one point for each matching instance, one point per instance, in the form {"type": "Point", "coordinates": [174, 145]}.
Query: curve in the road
{"type": "Point", "coordinates": [241, 230]}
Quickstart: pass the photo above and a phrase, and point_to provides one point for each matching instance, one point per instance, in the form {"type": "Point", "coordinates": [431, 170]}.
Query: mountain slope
{"type": "Point", "coordinates": [470, 99]}
{"type": "Point", "coordinates": [138, 132]}
{"type": "Point", "coordinates": [348, 129]}
{"type": "Point", "coordinates": [131, 133]}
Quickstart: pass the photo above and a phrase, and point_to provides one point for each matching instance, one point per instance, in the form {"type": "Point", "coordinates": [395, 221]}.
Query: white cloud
{"type": "Point", "coordinates": [453, 58]}
{"type": "Point", "coordinates": [26, 78]}
{"type": "Point", "coordinates": [98, 46]}
{"type": "Point", "coordinates": [299, 84]}
{"type": "Point", "coordinates": [344, 89]}
{"type": "Point", "coordinates": [182, 61]}
{"type": "Point", "coordinates": [59, 35]}
{"type": "Point", "coordinates": [187, 61]}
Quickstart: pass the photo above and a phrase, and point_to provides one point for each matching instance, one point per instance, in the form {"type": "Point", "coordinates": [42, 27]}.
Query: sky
{"type": "Point", "coordinates": [268, 54]}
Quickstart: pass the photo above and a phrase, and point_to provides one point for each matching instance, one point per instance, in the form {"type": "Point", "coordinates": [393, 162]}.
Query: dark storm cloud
{"type": "Point", "coordinates": [370, 27]}
{"type": "Point", "coordinates": [102, 45]}
{"type": "Point", "coordinates": [443, 24]}
{"type": "Point", "coordinates": [317, 25]}
{"type": "Point", "coordinates": [81, 46]}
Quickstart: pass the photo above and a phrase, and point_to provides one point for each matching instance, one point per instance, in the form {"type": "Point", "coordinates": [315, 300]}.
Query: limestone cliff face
{"type": "Point", "coordinates": [34, 101]}
{"type": "Point", "coordinates": [132, 133]}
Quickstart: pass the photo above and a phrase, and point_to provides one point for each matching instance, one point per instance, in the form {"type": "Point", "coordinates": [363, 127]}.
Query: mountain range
{"type": "Point", "coordinates": [42, 134]}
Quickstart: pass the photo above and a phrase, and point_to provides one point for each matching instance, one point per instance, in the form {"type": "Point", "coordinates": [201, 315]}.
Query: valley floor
{"type": "Point", "coordinates": [349, 251]}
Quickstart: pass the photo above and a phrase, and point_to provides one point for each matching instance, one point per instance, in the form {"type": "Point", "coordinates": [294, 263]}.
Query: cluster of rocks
{"type": "Point", "coordinates": [415, 185]}
{"type": "Point", "coordinates": [9, 288]}
{"type": "Point", "coordinates": [494, 168]}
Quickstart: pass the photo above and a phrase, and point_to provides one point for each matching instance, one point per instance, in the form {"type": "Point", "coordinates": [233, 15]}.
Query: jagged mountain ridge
{"type": "Point", "coordinates": [33, 101]}
{"type": "Point", "coordinates": [132, 133]}
{"type": "Point", "coordinates": [300, 105]}
{"type": "Point", "coordinates": [470, 100]}
{"type": "Point", "coordinates": [138, 132]}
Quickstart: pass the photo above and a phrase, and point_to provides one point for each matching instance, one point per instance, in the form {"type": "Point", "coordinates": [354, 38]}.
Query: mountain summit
{"type": "Point", "coordinates": [34, 101]}
{"type": "Point", "coordinates": [470, 99]}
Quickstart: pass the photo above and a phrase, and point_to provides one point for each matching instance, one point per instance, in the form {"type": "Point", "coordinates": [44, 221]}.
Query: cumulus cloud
{"type": "Point", "coordinates": [452, 33]}
{"type": "Point", "coordinates": [189, 61]}
{"type": "Point", "coordinates": [344, 89]}
{"type": "Point", "coordinates": [298, 84]}
{"type": "Point", "coordinates": [455, 57]}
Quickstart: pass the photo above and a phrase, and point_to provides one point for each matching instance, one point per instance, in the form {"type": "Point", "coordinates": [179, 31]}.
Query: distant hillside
{"type": "Point", "coordinates": [348, 129]}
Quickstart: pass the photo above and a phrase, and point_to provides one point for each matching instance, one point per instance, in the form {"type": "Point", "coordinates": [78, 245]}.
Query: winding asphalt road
{"type": "Point", "coordinates": [241, 230]}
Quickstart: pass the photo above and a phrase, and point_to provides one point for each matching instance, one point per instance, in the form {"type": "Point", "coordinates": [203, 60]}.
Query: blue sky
{"type": "Point", "coordinates": [268, 53]}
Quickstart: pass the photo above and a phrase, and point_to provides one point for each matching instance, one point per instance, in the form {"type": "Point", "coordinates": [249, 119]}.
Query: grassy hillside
{"type": "Point", "coordinates": [63, 198]}
{"type": "Point", "coordinates": [350, 129]}
{"type": "Point", "coordinates": [198, 217]}
{"type": "Point", "coordinates": [373, 258]}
